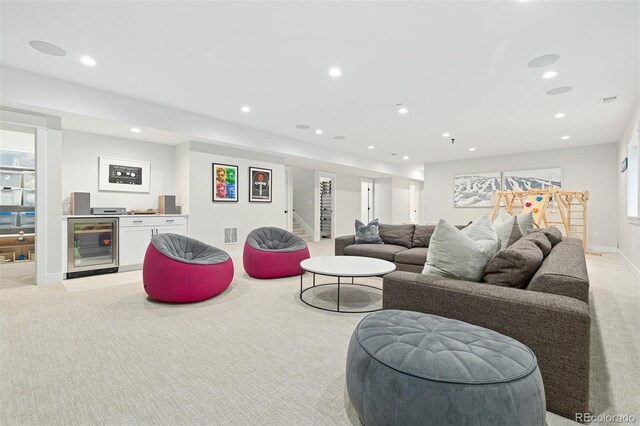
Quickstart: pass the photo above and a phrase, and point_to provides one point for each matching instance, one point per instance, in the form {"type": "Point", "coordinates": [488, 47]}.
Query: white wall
{"type": "Point", "coordinates": [207, 219]}
{"type": "Point", "coordinates": [591, 168]}
{"type": "Point", "coordinates": [80, 152]}
{"type": "Point", "coordinates": [348, 201]}
{"type": "Point", "coordinates": [628, 230]}
{"type": "Point", "coordinates": [391, 200]}
{"type": "Point", "coordinates": [304, 201]}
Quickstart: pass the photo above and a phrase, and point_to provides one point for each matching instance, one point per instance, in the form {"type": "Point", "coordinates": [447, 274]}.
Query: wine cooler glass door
{"type": "Point", "coordinates": [92, 244]}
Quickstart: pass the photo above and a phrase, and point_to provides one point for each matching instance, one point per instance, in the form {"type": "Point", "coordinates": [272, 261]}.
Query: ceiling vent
{"type": "Point", "coordinates": [609, 100]}
{"type": "Point", "coordinates": [230, 235]}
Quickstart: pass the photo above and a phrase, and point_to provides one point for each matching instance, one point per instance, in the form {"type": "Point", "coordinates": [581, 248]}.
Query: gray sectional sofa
{"type": "Point", "coordinates": [551, 315]}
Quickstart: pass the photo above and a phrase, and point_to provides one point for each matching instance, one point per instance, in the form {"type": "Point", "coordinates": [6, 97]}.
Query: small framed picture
{"type": "Point", "coordinates": [259, 185]}
{"type": "Point", "coordinates": [225, 183]}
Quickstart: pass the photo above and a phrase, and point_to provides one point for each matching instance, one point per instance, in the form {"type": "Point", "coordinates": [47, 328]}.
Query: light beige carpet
{"type": "Point", "coordinates": [254, 355]}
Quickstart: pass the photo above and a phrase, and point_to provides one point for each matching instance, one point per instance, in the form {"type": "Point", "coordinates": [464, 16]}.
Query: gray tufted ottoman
{"type": "Point", "coordinates": [408, 368]}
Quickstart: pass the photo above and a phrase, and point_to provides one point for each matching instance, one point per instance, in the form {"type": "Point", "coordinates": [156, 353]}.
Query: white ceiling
{"type": "Point", "coordinates": [461, 66]}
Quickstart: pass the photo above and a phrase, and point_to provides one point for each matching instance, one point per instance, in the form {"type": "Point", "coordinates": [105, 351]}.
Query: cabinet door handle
{"type": "Point", "coordinates": [137, 221]}
{"type": "Point", "coordinates": [152, 232]}
{"type": "Point", "coordinates": [169, 220]}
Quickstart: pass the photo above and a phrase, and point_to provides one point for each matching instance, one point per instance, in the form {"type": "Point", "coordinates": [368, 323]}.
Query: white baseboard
{"type": "Point", "coordinates": [55, 278]}
{"type": "Point", "coordinates": [602, 249]}
{"type": "Point", "coordinates": [634, 270]}
{"type": "Point", "coordinates": [306, 227]}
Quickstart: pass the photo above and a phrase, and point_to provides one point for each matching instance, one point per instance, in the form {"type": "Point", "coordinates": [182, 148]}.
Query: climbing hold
{"type": "Point", "coordinates": [536, 210]}
{"type": "Point", "coordinates": [539, 198]}
{"type": "Point", "coordinates": [528, 204]}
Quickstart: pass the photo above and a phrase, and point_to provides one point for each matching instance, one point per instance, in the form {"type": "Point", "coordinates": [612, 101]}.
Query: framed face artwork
{"type": "Point", "coordinates": [225, 183]}
{"type": "Point", "coordinates": [259, 185]}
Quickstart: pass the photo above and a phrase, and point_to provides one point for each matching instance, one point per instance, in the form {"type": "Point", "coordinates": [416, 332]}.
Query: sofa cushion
{"type": "Point", "coordinates": [554, 235]}
{"type": "Point", "coordinates": [563, 272]}
{"type": "Point", "coordinates": [399, 235]}
{"type": "Point", "coordinates": [369, 233]}
{"type": "Point", "coordinates": [541, 241]}
{"type": "Point", "coordinates": [515, 265]}
{"type": "Point", "coordinates": [461, 254]}
{"type": "Point", "coordinates": [379, 251]}
{"type": "Point", "coordinates": [413, 256]}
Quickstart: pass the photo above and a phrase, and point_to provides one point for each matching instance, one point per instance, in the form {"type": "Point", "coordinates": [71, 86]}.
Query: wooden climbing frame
{"type": "Point", "coordinates": [549, 206]}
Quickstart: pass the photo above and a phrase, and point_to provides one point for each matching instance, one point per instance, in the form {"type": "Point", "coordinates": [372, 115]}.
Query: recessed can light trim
{"type": "Point", "coordinates": [560, 115]}
{"type": "Point", "coordinates": [549, 74]}
{"type": "Point", "coordinates": [403, 110]}
{"type": "Point", "coordinates": [446, 135]}
{"type": "Point", "coordinates": [335, 72]}
{"type": "Point", "coordinates": [405, 157]}
{"type": "Point", "coordinates": [566, 137]}
{"type": "Point", "coordinates": [472, 149]}
{"type": "Point", "coordinates": [371, 147]}
{"type": "Point", "coordinates": [135, 130]}
{"type": "Point", "coordinates": [88, 61]}
{"type": "Point", "coordinates": [319, 131]}
{"type": "Point", "coordinates": [245, 109]}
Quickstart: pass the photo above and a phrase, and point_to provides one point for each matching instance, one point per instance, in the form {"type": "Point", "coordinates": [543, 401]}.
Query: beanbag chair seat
{"type": "Point", "coordinates": [273, 253]}
{"type": "Point", "coordinates": [180, 269]}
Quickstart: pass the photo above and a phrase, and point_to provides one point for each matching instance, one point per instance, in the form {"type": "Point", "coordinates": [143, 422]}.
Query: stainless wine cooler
{"type": "Point", "coordinates": [92, 246]}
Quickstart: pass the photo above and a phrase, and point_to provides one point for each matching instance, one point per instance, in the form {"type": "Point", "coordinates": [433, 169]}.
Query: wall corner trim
{"type": "Point", "coordinates": [635, 271]}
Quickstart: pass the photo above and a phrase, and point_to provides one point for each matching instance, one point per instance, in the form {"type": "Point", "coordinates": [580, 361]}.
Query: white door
{"type": "Point", "coordinates": [366, 200]}
{"type": "Point", "coordinates": [414, 202]}
{"type": "Point", "coordinates": [133, 244]}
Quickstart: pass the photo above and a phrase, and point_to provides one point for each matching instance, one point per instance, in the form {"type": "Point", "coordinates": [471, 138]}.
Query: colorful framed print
{"type": "Point", "coordinates": [259, 185]}
{"type": "Point", "coordinates": [225, 183]}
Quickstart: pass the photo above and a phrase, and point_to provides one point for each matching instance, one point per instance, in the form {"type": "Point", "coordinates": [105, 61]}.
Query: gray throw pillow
{"type": "Point", "coordinates": [422, 235]}
{"type": "Point", "coordinates": [369, 233]}
{"type": "Point", "coordinates": [461, 254]}
{"type": "Point", "coordinates": [515, 266]}
{"type": "Point", "coordinates": [553, 234]}
{"type": "Point", "coordinates": [540, 240]}
{"type": "Point", "coordinates": [508, 232]}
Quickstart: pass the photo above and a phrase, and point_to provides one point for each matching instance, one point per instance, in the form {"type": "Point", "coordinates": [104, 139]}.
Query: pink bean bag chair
{"type": "Point", "coordinates": [273, 253]}
{"type": "Point", "coordinates": [179, 269]}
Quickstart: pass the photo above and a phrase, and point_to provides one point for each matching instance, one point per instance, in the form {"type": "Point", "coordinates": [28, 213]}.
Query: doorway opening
{"type": "Point", "coordinates": [366, 200]}
{"type": "Point", "coordinates": [17, 206]}
{"type": "Point", "coordinates": [326, 183]}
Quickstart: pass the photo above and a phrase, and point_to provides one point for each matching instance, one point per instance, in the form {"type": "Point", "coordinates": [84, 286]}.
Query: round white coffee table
{"type": "Point", "coordinates": [343, 267]}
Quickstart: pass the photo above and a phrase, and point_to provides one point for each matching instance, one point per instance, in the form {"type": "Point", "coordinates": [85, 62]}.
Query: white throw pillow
{"type": "Point", "coordinates": [525, 220]}
{"type": "Point", "coordinates": [461, 254]}
{"type": "Point", "coordinates": [508, 231]}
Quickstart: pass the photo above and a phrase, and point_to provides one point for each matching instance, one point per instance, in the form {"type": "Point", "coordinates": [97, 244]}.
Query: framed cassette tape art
{"type": "Point", "coordinates": [117, 174]}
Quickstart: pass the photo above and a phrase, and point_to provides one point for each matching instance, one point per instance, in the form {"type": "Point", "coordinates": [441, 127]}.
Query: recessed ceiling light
{"type": "Point", "coordinates": [564, 138]}
{"type": "Point", "coordinates": [549, 74]}
{"type": "Point", "coordinates": [335, 72]}
{"type": "Point", "coordinates": [403, 110]}
{"type": "Point", "coordinates": [88, 61]}
{"type": "Point", "coordinates": [472, 149]}
{"type": "Point", "coordinates": [47, 48]}
{"type": "Point", "coordinates": [559, 115]}
{"type": "Point", "coordinates": [302, 126]}
{"type": "Point", "coordinates": [318, 131]}
{"type": "Point", "coordinates": [559, 90]}
{"type": "Point", "coordinates": [371, 147]}
{"type": "Point", "coordinates": [543, 61]}
{"type": "Point", "coordinates": [339, 138]}
{"type": "Point", "coordinates": [245, 108]}
{"type": "Point", "coordinates": [406, 157]}
{"type": "Point", "coordinates": [445, 135]}
{"type": "Point", "coordinates": [135, 130]}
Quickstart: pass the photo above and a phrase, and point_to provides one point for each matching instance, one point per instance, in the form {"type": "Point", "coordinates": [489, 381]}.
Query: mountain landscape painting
{"type": "Point", "coordinates": [474, 190]}
{"type": "Point", "coordinates": [531, 179]}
